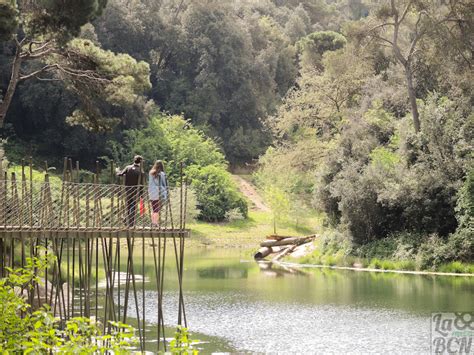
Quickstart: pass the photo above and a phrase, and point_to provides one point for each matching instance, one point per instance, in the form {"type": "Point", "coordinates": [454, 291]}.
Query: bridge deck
{"type": "Point", "coordinates": [83, 232]}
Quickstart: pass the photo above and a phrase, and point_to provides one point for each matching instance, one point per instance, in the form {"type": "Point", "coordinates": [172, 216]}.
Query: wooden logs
{"type": "Point", "coordinates": [262, 252]}
{"type": "Point", "coordinates": [277, 237]}
{"type": "Point", "coordinates": [287, 241]}
{"type": "Point", "coordinates": [282, 246]}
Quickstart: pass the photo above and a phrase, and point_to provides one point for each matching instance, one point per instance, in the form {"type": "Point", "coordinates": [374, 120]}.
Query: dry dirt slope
{"type": "Point", "coordinates": [251, 194]}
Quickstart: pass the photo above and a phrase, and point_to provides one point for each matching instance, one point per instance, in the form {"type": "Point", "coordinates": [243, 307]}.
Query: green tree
{"type": "Point", "coordinates": [44, 34]}
{"type": "Point", "coordinates": [27, 330]}
{"type": "Point", "coordinates": [279, 203]}
{"type": "Point", "coordinates": [313, 46]}
{"type": "Point", "coordinates": [322, 101]}
{"type": "Point", "coordinates": [403, 25]}
{"type": "Point", "coordinates": [224, 66]}
{"type": "Point", "coordinates": [169, 138]}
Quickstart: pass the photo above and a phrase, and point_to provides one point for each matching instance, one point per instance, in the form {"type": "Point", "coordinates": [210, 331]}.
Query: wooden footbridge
{"type": "Point", "coordinates": [101, 236]}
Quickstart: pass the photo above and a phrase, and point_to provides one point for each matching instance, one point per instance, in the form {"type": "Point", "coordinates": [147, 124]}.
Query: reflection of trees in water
{"type": "Point", "coordinates": [221, 273]}
{"type": "Point", "coordinates": [275, 269]}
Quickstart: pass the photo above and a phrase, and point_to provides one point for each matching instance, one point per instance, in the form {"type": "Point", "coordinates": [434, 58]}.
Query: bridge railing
{"type": "Point", "coordinates": [54, 206]}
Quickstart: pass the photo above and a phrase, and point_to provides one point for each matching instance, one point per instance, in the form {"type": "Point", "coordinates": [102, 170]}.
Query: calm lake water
{"type": "Point", "coordinates": [234, 304]}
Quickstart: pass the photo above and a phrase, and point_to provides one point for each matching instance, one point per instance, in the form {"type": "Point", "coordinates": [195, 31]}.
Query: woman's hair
{"type": "Point", "coordinates": [157, 168]}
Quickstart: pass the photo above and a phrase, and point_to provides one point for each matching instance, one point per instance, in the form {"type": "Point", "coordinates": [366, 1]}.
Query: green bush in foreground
{"type": "Point", "coordinates": [182, 344]}
{"type": "Point", "coordinates": [23, 330]}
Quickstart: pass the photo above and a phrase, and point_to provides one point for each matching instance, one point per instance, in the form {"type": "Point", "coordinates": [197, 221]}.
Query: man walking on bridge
{"type": "Point", "coordinates": [133, 178]}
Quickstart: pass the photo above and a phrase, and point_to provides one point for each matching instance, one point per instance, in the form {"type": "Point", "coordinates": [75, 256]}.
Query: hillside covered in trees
{"type": "Point", "coordinates": [226, 65]}
{"type": "Point", "coordinates": [359, 109]}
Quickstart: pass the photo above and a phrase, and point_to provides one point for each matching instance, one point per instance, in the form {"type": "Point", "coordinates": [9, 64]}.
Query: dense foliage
{"type": "Point", "coordinates": [225, 65]}
{"type": "Point", "coordinates": [350, 141]}
{"type": "Point", "coordinates": [216, 191]}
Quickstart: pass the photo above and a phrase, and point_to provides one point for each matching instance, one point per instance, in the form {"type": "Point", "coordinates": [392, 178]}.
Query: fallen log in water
{"type": "Point", "coordinates": [262, 252]}
{"type": "Point", "coordinates": [282, 246]}
{"type": "Point", "coordinates": [265, 251]}
{"type": "Point", "coordinates": [288, 241]}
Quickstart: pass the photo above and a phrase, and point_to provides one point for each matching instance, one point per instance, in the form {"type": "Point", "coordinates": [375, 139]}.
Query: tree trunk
{"type": "Point", "coordinates": [14, 79]}
{"type": "Point", "coordinates": [412, 97]}
{"type": "Point", "coordinates": [287, 241]}
{"type": "Point", "coordinates": [262, 252]}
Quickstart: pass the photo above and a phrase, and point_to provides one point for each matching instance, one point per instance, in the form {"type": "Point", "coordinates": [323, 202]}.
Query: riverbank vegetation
{"type": "Point", "coordinates": [27, 329]}
{"type": "Point", "coordinates": [403, 252]}
{"type": "Point", "coordinates": [389, 164]}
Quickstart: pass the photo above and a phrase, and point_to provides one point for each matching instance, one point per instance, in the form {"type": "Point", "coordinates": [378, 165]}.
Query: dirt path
{"type": "Point", "coordinates": [251, 193]}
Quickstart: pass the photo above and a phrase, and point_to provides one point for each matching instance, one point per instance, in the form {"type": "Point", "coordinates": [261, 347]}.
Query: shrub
{"type": "Point", "coordinates": [375, 264]}
{"type": "Point", "coordinates": [383, 248]}
{"type": "Point", "coordinates": [465, 204]}
{"type": "Point", "coordinates": [234, 215]}
{"type": "Point", "coordinates": [461, 243]}
{"type": "Point", "coordinates": [216, 192]}
{"type": "Point", "coordinates": [411, 251]}
{"type": "Point", "coordinates": [330, 260]}
{"type": "Point", "coordinates": [39, 331]}
{"type": "Point", "coordinates": [408, 265]}
{"type": "Point", "coordinates": [432, 253]}
{"type": "Point", "coordinates": [347, 261]}
{"type": "Point", "coordinates": [313, 258]}
{"type": "Point", "coordinates": [388, 265]}
{"type": "Point", "coordinates": [182, 344]}
{"type": "Point", "coordinates": [334, 242]}
{"type": "Point", "coordinates": [454, 267]}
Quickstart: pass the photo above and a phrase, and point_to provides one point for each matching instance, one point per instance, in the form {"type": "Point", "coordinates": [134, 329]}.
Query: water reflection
{"type": "Point", "coordinates": [221, 273]}
{"type": "Point", "coordinates": [272, 269]}
{"type": "Point", "coordinates": [269, 307]}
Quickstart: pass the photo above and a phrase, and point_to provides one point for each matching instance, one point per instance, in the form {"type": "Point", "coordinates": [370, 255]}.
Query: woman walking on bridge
{"type": "Point", "coordinates": [157, 190]}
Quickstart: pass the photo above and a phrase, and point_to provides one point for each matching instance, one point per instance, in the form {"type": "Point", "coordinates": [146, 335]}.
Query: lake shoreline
{"type": "Point", "coordinates": [409, 272]}
{"type": "Point", "coordinates": [247, 234]}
